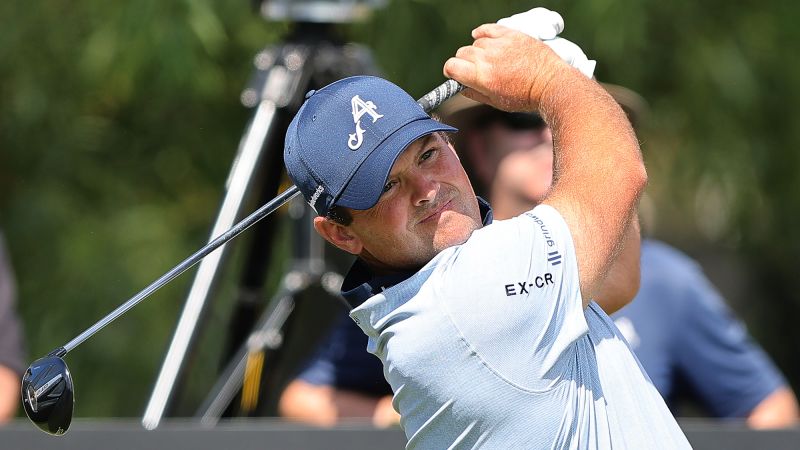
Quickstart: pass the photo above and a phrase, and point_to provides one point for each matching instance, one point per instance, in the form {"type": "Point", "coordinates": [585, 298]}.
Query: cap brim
{"type": "Point", "coordinates": [365, 187]}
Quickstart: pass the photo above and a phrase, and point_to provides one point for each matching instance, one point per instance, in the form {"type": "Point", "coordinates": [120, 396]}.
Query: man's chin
{"type": "Point", "coordinates": [454, 229]}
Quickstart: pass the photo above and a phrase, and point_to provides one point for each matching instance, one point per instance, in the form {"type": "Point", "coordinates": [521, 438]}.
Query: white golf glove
{"type": "Point", "coordinates": [545, 25]}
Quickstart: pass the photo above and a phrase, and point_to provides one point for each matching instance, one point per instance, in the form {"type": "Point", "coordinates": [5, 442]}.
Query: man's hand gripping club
{"type": "Point", "coordinates": [491, 47]}
{"type": "Point", "coordinates": [546, 25]}
{"type": "Point", "coordinates": [505, 68]}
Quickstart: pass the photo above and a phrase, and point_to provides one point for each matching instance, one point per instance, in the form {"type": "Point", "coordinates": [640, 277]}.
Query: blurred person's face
{"type": "Point", "coordinates": [515, 162]}
{"type": "Point", "coordinates": [428, 204]}
{"type": "Point", "coordinates": [524, 161]}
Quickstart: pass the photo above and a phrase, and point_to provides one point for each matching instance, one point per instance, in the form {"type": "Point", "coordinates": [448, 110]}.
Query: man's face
{"type": "Point", "coordinates": [428, 205]}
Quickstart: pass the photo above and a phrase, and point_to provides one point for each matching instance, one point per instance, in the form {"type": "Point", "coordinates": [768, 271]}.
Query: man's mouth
{"type": "Point", "coordinates": [437, 211]}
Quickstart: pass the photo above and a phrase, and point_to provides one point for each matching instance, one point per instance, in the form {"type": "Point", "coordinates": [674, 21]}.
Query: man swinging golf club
{"type": "Point", "coordinates": [488, 334]}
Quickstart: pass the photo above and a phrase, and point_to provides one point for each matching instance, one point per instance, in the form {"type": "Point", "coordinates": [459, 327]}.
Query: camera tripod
{"type": "Point", "coordinates": [265, 351]}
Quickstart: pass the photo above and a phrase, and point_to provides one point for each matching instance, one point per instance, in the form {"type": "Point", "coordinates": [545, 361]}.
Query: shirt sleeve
{"type": "Point", "coordinates": [11, 344]}
{"type": "Point", "coordinates": [513, 293]}
{"type": "Point", "coordinates": [343, 362]}
{"type": "Point", "coordinates": [715, 354]}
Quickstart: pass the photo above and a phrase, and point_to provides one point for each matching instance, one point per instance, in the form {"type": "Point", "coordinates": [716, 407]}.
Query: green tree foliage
{"type": "Point", "coordinates": [119, 121]}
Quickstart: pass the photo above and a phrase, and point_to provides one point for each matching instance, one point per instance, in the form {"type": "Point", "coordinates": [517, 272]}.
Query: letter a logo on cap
{"type": "Point", "coordinates": [360, 107]}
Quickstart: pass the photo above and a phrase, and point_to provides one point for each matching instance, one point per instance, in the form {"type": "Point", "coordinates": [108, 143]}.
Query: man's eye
{"type": "Point", "coordinates": [427, 154]}
{"type": "Point", "coordinates": [388, 186]}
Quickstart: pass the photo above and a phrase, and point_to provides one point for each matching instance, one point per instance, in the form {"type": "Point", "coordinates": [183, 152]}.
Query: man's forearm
{"type": "Point", "coordinates": [598, 174]}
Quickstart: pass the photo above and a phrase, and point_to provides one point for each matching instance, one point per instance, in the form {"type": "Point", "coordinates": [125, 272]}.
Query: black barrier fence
{"type": "Point", "coordinates": [265, 434]}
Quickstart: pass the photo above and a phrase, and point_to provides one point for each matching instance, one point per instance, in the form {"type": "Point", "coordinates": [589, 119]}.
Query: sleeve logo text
{"type": "Point", "coordinates": [524, 287]}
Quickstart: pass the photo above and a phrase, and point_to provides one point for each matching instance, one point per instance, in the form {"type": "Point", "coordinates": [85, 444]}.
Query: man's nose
{"type": "Point", "coordinates": [425, 189]}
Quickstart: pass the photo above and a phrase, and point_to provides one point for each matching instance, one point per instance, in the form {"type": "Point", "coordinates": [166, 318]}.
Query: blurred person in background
{"type": "Point", "coordinates": [11, 348]}
{"type": "Point", "coordinates": [688, 340]}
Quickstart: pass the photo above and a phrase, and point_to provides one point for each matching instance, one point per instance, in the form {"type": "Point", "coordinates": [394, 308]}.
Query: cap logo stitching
{"type": "Point", "coordinates": [313, 200]}
{"type": "Point", "coordinates": [359, 108]}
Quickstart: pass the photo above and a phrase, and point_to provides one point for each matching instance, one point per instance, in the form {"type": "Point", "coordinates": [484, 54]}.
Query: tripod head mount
{"type": "Point", "coordinates": [318, 11]}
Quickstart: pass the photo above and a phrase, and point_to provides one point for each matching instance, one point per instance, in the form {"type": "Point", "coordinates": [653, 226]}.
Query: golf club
{"type": "Point", "coordinates": [47, 389]}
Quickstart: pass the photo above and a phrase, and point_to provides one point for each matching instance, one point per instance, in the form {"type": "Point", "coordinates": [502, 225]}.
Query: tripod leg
{"type": "Point", "coordinates": [266, 334]}
{"type": "Point", "coordinates": [241, 176]}
{"type": "Point", "coordinates": [255, 270]}
{"type": "Point", "coordinates": [275, 82]}
{"type": "Point", "coordinates": [301, 289]}
{"type": "Point", "coordinates": [325, 61]}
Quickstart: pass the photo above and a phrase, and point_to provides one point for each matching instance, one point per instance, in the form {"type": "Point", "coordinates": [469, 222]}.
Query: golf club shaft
{"type": "Point", "coordinates": [429, 102]}
{"type": "Point", "coordinates": [259, 214]}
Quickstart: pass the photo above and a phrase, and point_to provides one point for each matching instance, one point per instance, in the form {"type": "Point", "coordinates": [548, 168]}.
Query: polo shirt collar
{"type": "Point", "coordinates": [361, 284]}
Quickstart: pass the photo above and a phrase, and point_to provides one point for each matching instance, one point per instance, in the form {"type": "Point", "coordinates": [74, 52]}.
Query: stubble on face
{"type": "Point", "coordinates": [432, 207]}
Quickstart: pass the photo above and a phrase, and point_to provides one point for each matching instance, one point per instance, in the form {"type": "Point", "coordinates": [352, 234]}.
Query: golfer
{"type": "Point", "coordinates": [488, 335]}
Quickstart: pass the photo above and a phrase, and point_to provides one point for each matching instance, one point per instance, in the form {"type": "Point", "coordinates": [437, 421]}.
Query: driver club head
{"type": "Point", "coordinates": [47, 394]}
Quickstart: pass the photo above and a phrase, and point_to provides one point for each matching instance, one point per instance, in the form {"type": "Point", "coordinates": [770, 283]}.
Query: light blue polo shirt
{"type": "Point", "coordinates": [489, 346]}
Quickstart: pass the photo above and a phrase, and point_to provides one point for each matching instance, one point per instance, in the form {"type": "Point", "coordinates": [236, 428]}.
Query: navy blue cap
{"type": "Point", "coordinates": [341, 145]}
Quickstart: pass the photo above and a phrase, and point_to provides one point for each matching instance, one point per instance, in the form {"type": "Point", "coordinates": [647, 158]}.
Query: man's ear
{"type": "Point", "coordinates": [338, 235]}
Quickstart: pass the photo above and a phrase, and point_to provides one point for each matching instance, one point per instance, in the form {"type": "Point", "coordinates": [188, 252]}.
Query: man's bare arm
{"type": "Point", "coordinates": [599, 175]}
{"type": "Point", "coordinates": [622, 281]}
